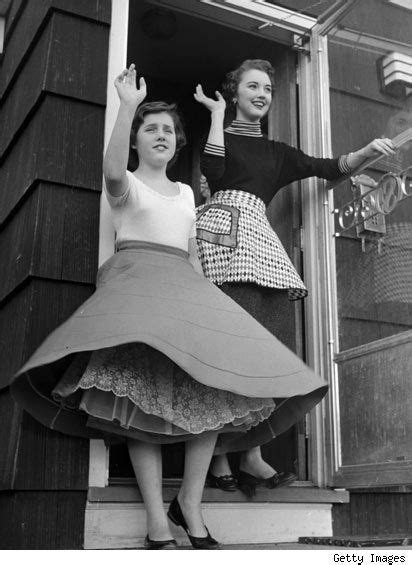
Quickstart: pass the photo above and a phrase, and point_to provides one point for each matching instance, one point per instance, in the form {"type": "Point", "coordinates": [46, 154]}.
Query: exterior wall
{"type": "Point", "coordinates": [53, 79]}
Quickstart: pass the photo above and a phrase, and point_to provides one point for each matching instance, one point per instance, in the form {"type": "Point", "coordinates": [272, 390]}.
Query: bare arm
{"type": "Point", "coordinates": [375, 148]}
{"type": "Point", "coordinates": [117, 152]}
{"type": "Point", "coordinates": [193, 256]}
{"type": "Point", "coordinates": [217, 114]}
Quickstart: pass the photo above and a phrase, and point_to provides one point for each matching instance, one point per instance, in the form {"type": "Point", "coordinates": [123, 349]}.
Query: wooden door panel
{"type": "Point", "coordinates": [372, 386]}
{"type": "Point", "coordinates": [375, 388]}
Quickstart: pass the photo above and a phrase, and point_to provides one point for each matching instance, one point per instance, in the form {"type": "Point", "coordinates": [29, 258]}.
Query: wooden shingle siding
{"type": "Point", "coordinates": [26, 318]}
{"type": "Point", "coordinates": [29, 26]}
{"type": "Point", "coordinates": [10, 419]}
{"type": "Point", "coordinates": [53, 79]}
{"type": "Point", "coordinates": [51, 236]}
{"type": "Point", "coordinates": [31, 313]}
{"type": "Point", "coordinates": [57, 71]}
{"type": "Point", "coordinates": [60, 461]}
{"type": "Point", "coordinates": [62, 143]}
{"type": "Point", "coordinates": [46, 520]}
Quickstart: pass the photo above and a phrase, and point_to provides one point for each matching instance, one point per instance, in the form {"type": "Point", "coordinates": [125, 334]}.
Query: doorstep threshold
{"type": "Point", "coordinates": [287, 494]}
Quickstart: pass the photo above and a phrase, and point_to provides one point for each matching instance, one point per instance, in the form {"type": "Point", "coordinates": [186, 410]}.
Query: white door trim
{"type": "Point", "coordinates": [314, 124]}
{"type": "Point", "coordinates": [98, 453]}
{"type": "Point", "coordinates": [117, 62]}
{"type": "Point", "coordinates": [319, 260]}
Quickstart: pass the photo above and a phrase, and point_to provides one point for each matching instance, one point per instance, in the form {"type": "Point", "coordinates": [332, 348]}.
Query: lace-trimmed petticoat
{"type": "Point", "coordinates": [159, 353]}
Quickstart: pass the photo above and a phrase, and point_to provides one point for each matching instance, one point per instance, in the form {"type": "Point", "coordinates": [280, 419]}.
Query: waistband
{"type": "Point", "coordinates": [238, 198]}
{"type": "Point", "coordinates": [150, 246]}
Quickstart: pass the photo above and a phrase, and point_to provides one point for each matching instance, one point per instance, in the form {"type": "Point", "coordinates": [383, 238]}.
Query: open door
{"type": "Point", "coordinates": [363, 73]}
{"type": "Point", "coordinates": [172, 48]}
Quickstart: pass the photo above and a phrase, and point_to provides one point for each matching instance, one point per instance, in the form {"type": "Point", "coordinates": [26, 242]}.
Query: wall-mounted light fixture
{"type": "Point", "coordinates": [396, 74]}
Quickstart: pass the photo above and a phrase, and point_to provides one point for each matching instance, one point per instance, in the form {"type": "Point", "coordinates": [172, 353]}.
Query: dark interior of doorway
{"type": "Point", "coordinates": [175, 52]}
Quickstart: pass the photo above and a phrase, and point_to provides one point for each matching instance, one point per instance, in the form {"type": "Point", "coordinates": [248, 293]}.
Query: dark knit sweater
{"type": "Point", "coordinates": [257, 165]}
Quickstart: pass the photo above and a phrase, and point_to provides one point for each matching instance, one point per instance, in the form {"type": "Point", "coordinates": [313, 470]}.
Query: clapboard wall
{"type": "Point", "coordinates": [53, 77]}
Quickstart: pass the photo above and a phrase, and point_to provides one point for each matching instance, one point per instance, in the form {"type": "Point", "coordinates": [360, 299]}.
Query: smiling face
{"type": "Point", "coordinates": [254, 96]}
{"type": "Point", "coordinates": [156, 139]}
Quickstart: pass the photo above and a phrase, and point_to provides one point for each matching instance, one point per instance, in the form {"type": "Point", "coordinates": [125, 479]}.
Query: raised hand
{"type": "Point", "coordinates": [126, 88]}
{"type": "Point", "coordinates": [378, 147]}
{"type": "Point", "coordinates": [214, 106]}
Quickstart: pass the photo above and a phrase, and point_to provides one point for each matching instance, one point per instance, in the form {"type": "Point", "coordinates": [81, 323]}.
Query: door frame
{"type": "Point", "coordinates": [320, 314]}
{"type": "Point", "coordinates": [98, 452]}
{"type": "Point", "coordinates": [319, 260]}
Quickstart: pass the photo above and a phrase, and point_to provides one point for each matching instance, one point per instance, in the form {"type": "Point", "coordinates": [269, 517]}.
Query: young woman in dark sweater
{"type": "Point", "coordinates": [239, 250]}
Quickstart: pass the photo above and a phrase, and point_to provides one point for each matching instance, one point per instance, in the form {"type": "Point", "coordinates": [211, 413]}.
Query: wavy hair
{"type": "Point", "coordinates": [157, 107]}
{"type": "Point", "coordinates": [233, 78]}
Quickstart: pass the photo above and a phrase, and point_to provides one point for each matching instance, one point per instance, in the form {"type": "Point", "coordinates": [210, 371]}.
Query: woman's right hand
{"type": "Point", "coordinates": [126, 88]}
{"type": "Point", "coordinates": [214, 106]}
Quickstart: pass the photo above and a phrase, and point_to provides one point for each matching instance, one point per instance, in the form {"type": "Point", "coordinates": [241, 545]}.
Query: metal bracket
{"type": "Point", "coordinates": [300, 43]}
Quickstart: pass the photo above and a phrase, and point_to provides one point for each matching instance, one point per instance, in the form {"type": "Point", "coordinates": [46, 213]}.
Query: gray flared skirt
{"type": "Point", "coordinates": [150, 294]}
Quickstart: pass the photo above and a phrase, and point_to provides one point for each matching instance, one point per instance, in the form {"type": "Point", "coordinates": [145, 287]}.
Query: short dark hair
{"type": "Point", "coordinates": [157, 107]}
{"type": "Point", "coordinates": [233, 78]}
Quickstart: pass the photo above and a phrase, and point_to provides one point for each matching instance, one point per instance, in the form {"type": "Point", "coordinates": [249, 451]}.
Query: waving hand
{"type": "Point", "coordinates": [126, 88]}
{"type": "Point", "coordinates": [214, 106]}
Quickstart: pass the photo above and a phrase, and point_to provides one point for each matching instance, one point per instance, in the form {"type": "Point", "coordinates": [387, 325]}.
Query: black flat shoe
{"type": "Point", "coordinates": [224, 482]}
{"type": "Point", "coordinates": [175, 514]}
{"type": "Point", "coordinates": [248, 483]}
{"type": "Point", "coordinates": [162, 544]}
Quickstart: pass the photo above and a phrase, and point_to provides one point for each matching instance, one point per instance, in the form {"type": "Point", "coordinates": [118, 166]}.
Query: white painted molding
{"type": "Point", "coordinates": [117, 62]}
{"type": "Point", "coordinates": [271, 16]}
{"type": "Point", "coordinates": [98, 463]}
{"type": "Point", "coordinates": [98, 453]}
{"type": "Point", "coordinates": [268, 13]}
{"type": "Point", "coordinates": [319, 258]}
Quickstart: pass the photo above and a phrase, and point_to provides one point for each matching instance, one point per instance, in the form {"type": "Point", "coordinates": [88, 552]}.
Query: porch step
{"type": "Point", "coordinates": [122, 524]}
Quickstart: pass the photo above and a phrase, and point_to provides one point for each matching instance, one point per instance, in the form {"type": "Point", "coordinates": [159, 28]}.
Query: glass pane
{"type": "Point", "coordinates": [370, 59]}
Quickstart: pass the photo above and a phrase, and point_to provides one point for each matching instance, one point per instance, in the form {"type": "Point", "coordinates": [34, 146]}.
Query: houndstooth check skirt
{"type": "Point", "coordinates": [236, 243]}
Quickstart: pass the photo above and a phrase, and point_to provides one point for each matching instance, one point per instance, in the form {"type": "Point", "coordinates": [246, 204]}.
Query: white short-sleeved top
{"type": "Point", "coordinates": [143, 214]}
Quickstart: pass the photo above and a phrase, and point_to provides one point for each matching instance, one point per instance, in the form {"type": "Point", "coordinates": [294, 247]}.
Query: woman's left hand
{"type": "Point", "coordinates": [378, 147]}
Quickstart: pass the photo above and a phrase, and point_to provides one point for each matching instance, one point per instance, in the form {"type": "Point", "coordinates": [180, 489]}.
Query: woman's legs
{"type": "Point", "coordinates": [252, 462]}
{"type": "Point", "coordinates": [198, 453]}
{"type": "Point", "coordinates": [219, 466]}
{"type": "Point", "coordinates": [146, 459]}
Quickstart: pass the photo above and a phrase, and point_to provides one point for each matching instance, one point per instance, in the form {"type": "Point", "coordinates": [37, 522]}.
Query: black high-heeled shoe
{"type": "Point", "coordinates": [162, 544]}
{"type": "Point", "coordinates": [175, 514]}
{"type": "Point", "coordinates": [227, 483]}
{"type": "Point", "coordinates": [247, 483]}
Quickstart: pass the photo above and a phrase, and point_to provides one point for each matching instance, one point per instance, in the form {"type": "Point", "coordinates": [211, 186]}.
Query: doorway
{"type": "Point", "coordinates": [174, 52]}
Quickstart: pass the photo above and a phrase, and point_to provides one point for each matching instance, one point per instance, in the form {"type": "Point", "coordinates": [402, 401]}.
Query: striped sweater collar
{"type": "Point", "coordinates": [239, 127]}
